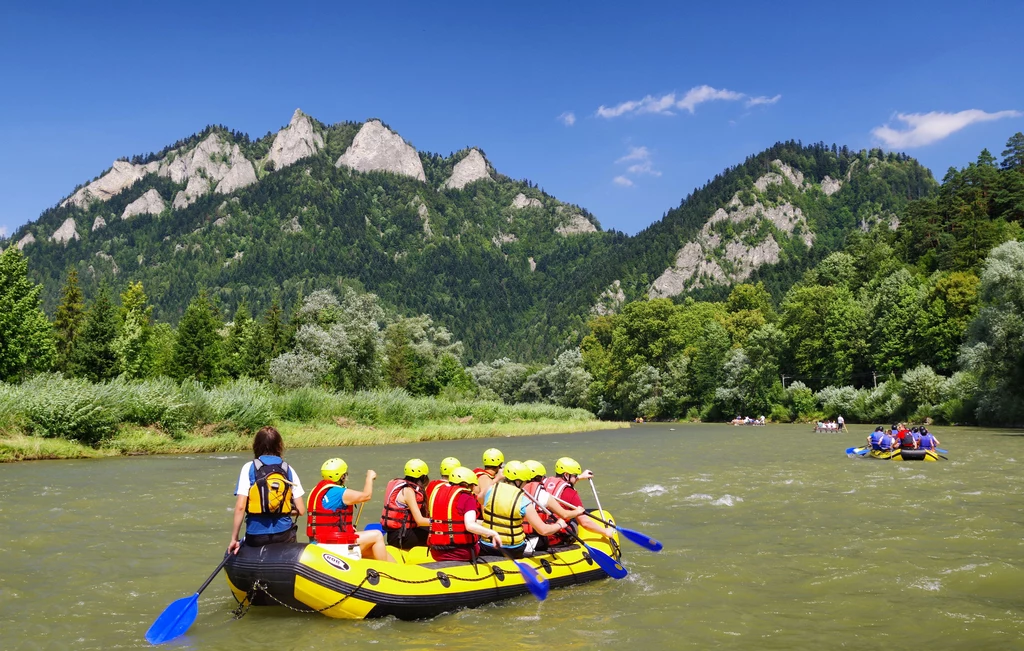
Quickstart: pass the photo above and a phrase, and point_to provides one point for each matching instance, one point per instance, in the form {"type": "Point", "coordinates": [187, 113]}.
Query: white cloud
{"type": "Point", "coordinates": [623, 181]}
{"type": "Point", "coordinates": [635, 153]}
{"type": "Point", "coordinates": [666, 104]}
{"type": "Point", "coordinates": [568, 118]}
{"type": "Point", "coordinates": [3, 231]}
{"type": "Point", "coordinates": [763, 99]}
{"type": "Point", "coordinates": [926, 128]}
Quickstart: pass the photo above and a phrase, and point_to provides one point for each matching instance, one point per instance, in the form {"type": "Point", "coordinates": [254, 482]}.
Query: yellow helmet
{"type": "Point", "coordinates": [416, 468]}
{"type": "Point", "coordinates": [536, 468]}
{"type": "Point", "coordinates": [493, 457]}
{"type": "Point", "coordinates": [567, 465]}
{"type": "Point", "coordinates": [333, 469]}
{"type": "Point", "coordinates": [462, 475]}
{"type": "Point", "coordinates": [448, 464]}
{"type": "Point", "coordinates": [517, 471]}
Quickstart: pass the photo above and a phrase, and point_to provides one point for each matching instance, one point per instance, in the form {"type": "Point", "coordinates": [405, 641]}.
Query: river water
{"type": "Point", "coordinates": [774, 539]}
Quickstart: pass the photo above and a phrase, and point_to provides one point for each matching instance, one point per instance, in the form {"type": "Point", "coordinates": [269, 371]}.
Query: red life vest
{"type": "Point", "coordinates": [448, 526]}
{"type": "Point", "coordinates": [531, 488]}
{"type": "Point", "coordinates": [329, 526]}
{"type": "Point", "coordinates": [556, 486]}
{"type": "Point", "coordinates": [396, 516]}
{"type": "Point", "coordinates": [431, 487]}
{"type": "Point", "coordinates": [481, 472]}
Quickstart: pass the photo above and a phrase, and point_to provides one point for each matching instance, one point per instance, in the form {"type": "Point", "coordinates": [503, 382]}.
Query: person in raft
{"type": "Point", "coordinates": [486, 476]}
{"type": "Point", "coordinates": [928, 440]}
{"type": "Point", "coordinates": [875, 438]}
{"type": "Point", "coordinates": [551, 509]}
{"type": "Point", "coordinates": [268, 495]}
{"type": "Point", "coordinates": [329, 512]}
{"type": "Point", "coordinates": [404, 505]}
{"type": "Point", "coordinates": [562, 486]}
{"type": "Point", "coordinates": [448, 464]}
{"type": "Point", "coordinates": [454, 529]}
{"type": "Point", "coordinates": [506, 507]}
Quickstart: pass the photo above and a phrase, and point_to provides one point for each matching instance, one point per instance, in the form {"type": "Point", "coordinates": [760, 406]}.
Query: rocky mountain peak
{"type": "Point", "coordinates": [294, 142]}
{"type": "Point", "coordinates": [150, 203]}
{"type": "Point", "coordinates": [68, 231]}
{"type": "Point", "coordinates": [379, 149]}
{"type": "Point", "coordinates": [471, 168]}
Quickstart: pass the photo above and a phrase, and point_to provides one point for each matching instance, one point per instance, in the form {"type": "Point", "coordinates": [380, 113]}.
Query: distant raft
{"type": "Point", "coordinates": [898, 454]}
{"type": "Point", "coordinates": [321, 578]}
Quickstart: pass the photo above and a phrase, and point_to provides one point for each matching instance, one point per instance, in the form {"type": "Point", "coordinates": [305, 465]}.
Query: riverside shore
{"type": "Point", "coordinates": [134, 440]}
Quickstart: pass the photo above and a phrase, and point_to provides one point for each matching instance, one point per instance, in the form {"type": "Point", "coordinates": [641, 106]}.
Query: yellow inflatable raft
{"type": "Point", "coordinates": [325, 579]}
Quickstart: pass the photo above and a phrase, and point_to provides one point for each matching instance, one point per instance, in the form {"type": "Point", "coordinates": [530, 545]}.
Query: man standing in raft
{"type": "Point", "coordinates": [506, 506]}
{"type": "Point", "coordinates": [404, 504]}
{"type": "Point", "coordinates": [453, 524]}
{"type": "Point", "coordinates": [329, 514]}
{"type": "Point", "coordinates": [493, 459]}
{"type": "Point", "coordinates": [268, 494]}
{"type": "Point", "coordinates": [448, 464]}
{"type": "Point", "coordinates": [562, 486]}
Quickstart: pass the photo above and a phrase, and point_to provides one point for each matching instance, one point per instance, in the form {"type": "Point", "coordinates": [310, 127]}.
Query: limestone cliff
{"type": "Point", "coordinates": [150, 203]}
{"type": "Point", "coordinates": [471, 168]}
{"type": "Point", "coordinates": [121, 176]}
{"type": "Point", "coordinates": [378, 149]}
{"type": "Point", "coordinates": [576, 225]}
{"type": "Point", "coordinates": [66, 232]}
{"type": "Point", "coordinates": [296, 141]}
{"type": "Point", "coordinates": [522, 201]}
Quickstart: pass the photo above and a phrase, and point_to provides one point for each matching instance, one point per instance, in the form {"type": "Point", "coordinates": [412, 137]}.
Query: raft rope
{"type": "Point", "coordinates": [258, 586]}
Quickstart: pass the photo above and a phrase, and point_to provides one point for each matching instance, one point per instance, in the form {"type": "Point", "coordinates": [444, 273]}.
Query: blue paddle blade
{"type": "Point", "coordinates": [537, 584]}
{"type": "Point", "coordinates": [374, 526]}
{"type": "Point", "coordinates": [611, 566]}
{"type": "Point", "coordinates": [941, 451]}
{"type": "Point", "coordinates": [851, 450]}
{"type": "Point", "coordinates": [640, 539]}
{"type": "Point", "coordinates": [174, 621]}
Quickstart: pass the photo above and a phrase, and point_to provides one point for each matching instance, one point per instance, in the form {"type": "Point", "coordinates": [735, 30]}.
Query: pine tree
{"type": "Point", "coordinates": [234, 347]}
{"type": "Point", "coordinates": [1013, 155]}
{"type": "Point", "coordinates": [26, 337]}
{"type": "Point", "coordinates": [198, 350]}
{"type": "Point", "coordinates": [93, 355]}
{"type": "Point", "coordinates": [132, 344]}
{"type": "Point", "coordinates": [68, 320]}
{"type": "Point", "coordinates": [274, 329]}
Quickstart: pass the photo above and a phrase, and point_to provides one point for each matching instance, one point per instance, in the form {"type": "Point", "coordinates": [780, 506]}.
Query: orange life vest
{"type": "Point", "coordinates": [329, 526]}
{"type": "Point", "coordinates": [556, 486]}
{"type": "Point", "coordinates": [431, 487]}
{"type": "Point", "coordinates": [531, 488]}
{"type": "Point", "coordinates": [396, 516]}
{"type": "Point", "coordinates": [448, 526]}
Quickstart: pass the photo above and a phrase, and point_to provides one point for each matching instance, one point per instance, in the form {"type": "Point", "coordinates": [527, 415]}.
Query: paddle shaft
{"type": "Point", "coordinates": [596, 498]}
{"type": "Point", "coordinates": [210, 578]}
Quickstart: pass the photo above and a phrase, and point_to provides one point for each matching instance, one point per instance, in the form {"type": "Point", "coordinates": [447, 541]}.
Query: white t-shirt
{"type": "Point", "coordinates": [244, 484]}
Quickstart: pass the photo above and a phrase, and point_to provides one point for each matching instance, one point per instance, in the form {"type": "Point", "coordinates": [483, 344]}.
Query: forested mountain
{"type": "Point", "coordinates": [509, 269]}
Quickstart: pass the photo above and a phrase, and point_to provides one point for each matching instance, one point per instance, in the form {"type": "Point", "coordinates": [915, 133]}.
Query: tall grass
{"type": "Point", "coordinates": [104, 415]}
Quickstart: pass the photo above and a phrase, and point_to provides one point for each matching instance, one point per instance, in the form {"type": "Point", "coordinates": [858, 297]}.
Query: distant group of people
{"type": "Point", "coordinates": [837, 425]}
{"type": "Point", "coordinates": [899, 437]}
{"type": "Point", "coordinates": [512, 508]}
{"type": "Point", "coordinates": [741, 420]}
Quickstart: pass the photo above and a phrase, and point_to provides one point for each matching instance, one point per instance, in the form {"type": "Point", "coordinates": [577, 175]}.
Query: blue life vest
{"type": "Point", "coordinates": [927, 442]}
{"type": "Point", "coordinates": [887, 442]}
{"type": "Point", "coordinates": [876, 439]}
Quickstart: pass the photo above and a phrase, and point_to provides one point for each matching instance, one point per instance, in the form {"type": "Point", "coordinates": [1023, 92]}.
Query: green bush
{"type": "Point", "coordinates": [244, 403]}
{"type": "Point", "coordinates": [76, 410]}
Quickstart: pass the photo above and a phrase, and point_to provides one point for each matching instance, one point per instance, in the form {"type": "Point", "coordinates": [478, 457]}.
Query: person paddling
{"type": "Point", "coordinates": [454, 530]}
{"type": "Point", "coordinates": [268, 495]}
{"type": "Point", "coordinates": [448, 464]}
{"type": "Point", "coordinates": [551, 508]}
{"type": "Point", "coordinates": [928, 440]}
{"type": "Point", "coordinates": [562, 486]}
{"type": "Point", "coordinates": [329, 512]}
{"type": "Point", "coordinates": [404, 505]}
{"type": "Point", "coordinates": [506, 507]}
{"type": "Point", "coordinates": [486, 476]}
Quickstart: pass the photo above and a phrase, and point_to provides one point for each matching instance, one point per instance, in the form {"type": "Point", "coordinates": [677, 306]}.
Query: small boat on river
{"type": "Point", "coordinates": [326, 579]}
{"type": "Point", "coordinates": [899, 454]}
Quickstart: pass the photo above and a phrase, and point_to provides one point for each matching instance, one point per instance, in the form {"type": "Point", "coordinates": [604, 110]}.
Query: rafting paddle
{"type": "Point", "coordinates": [637, 537]}
{"type": "Point", "coordinates": [611, 566]}
{"type": "Point", "coordinates": [177, 617]}
{"type": "Point", "coordinates": [537, 584]}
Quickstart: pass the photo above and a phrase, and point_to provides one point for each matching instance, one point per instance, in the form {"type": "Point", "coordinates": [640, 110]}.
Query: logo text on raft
{"type": "Point", "coordinates": [337, 562]}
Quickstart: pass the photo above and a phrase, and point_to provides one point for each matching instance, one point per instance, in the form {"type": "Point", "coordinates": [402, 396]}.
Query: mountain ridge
{"type": "Point", "coordinates": [509, 268]}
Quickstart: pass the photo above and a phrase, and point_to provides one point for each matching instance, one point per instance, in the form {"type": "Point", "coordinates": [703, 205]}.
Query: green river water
{"type": "Point", "coordinates": [774, 539]}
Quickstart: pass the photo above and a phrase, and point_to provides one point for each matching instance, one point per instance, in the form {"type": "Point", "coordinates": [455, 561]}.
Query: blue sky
{"type": "Point", "coordinates": [663, 95]}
